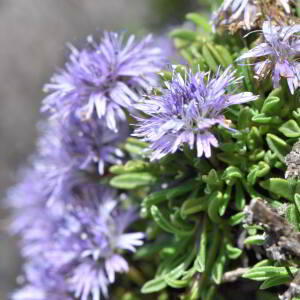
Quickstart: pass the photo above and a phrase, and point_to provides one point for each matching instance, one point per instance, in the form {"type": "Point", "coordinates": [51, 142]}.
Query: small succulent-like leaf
{"type": "Point", "coordinates": [176, 283]}
{"type": "Point", "coordinates": [265, 119]}
{"type": "Point", "coordinates": [263, 273]}
{"type": "Point", "coordinates": [274, 281]}
{"type": "Point", "coordinates": [200, 20]}
{"type": "Point", "coordinates": [297, 201]}
{"type": "Point", "coordinates": [245, 117]}
{"type": "Point", "coordinates": [200, 260]}
{"type": "Point", "coordinates": [233, 252]}
{"type": "Point", "coordinates": [271, 106]}
{"type": "Point", "coordinates": [240, 199]}
{"type": "Point", "coordinates": [225, 200]}
{"type": "Point", "coordinates": [162, 220]}
{"type": "Point", "coordinates": [292, 215]}
{"type": "Point", "coordinates": [150, 249]}
{"type": "Point", "coordinates": [255, 240]}
{"type": "Point", "coordinates": [130, 167]}
{"type": "Point", "coordinates": [278, 186]}
{"type": "Point", "coordinates": [225, 54]}
{"type": "Point", "coordinates": [194, 205]}
{"type": "Point", "coordinates": [154, 285]}
{"type": "Point", "coordinates": [215, 201]}
{"type": "Point", "coordinates": [290, 129]}
{"type": "Point", "coordinates": [155, 198]}
{"type": "Point", "coordinates": [184, 34]}
{"type": "Point", "coordinates": [231, 158]}
{"type": "Point", "coordinates": [216, 55]}
{"type": "Point", "coordinates": [209, 59]}
{"type": "Point", "coordinates": [132, 180]}
{"type": "Point", "coordinates": [135, 146]}
{"type": "Point", "coordinates": [218, 267]}
{"type": "Point", "coordinates": [278, 146]}
{"type": "Point", "coordinates": [212, 178]}
{"type": "Point", "coordinates": [181, 189]}
{"type": "Point", "coordinates": [232, 172]}
{"type": "Point", "coordinates": [236, 219]}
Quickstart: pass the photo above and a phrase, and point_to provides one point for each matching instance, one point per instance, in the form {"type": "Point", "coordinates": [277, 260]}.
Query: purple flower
{"type": "Point", "coordinates": [41, 283]}
{"type": "Point", "coordinates": [277, 54]}
{"type": "Point", "coordinates": [186, 111]}
{"type": "Point", "coordinates": [245, 13]}
{"type": "Point", "coordinates": [86, 245]}
{"type": "Point", "coordinates": [105, 78]}
{"type": "Point", "coordinates": [90, 144]}
{"type": "Point", "coordinates": [237, 11]}
{"type": "Point", "coordinates": [72, 152]}
{"type": "Point", "coordinates": [80, 245]}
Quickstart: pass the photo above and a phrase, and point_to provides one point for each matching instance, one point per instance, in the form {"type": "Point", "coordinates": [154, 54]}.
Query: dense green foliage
{"type": "Point", "coordinates": [194, 208]}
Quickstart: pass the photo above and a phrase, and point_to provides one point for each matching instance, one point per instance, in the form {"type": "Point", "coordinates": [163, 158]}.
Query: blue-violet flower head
{"type": "Point", "coordinates": [105, 77]}
{"type": "Point", "coordinates": [186, 110]}
{"type": "Point", "coordinates": [277, 54]}
{"type": "Point", "coordinates": [86, 245]}
{"type": "Point", "coordinates": [245, 13]}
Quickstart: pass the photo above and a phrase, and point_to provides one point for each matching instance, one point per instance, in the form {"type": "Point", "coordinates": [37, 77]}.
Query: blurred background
{"type": "Point", "coordinates": [33, 34]}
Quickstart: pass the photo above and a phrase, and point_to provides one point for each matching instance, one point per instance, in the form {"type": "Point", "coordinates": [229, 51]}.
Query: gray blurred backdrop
{"type": "Point", "coordinates": [33, 34]}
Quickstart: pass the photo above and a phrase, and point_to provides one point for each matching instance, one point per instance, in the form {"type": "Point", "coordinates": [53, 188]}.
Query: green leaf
{"type": "Point", "coordinates": [212, 178]}
{"type": "Point", "coordinates": [240, 199]}
{"type": "Point", "coordinates": [255, 240]}
{"type": "Point", "coordinates": [132, 180]}
{"type": "Point", "coordinates": [225, 54]}
{"type": "Point", "coordinates": [210, 61]}
{"type": "Point", "coordinates": [150, 249]}
{"type": "Point", "coordinates": [175, 283]}
{"type": "Point", "coordinates": [232, 173]}
{"type": "Point", "coordinates": [279, 186]}
{"type": "Point", "coordinates": [200, 21]}
{"type": "Point", "coordinates": [236, 219]}
{"type": "Point", "coordinates": [181, 189]}
{"type": "Point", "coordinates": [184, 34]}
{"type": "Point", "coordinates": [218, 268]}
{"type": "Point", "coordinates": [200, 260]}
{"type": "Point", "coordinates": [215, 201]}
{"type": "Point", "coordinates": [274, 281]}
{"type": "Point", "coordinates": [292, 215]}
{"type": "Point", "coordinates": [130, 167]}
{"type": "Point", "coordinates": [231, 158]}
{"type": "Point", "coordinates": [233, 252]}
{"type": "Point", "coordinates": [225, 200]}
{"type": "Point", "coordinates": [297, 201]}
{"type": "Point", "coordinates": [265, 119]}
{"type": "Point", "coordinates": [154, 285]}
{"type": "Point", "coordinates": [263, 273]}
{"type": "Point", "coordinates": [278, 146]}
{"type": "Point", "coordinates": [135, 146]}
{"type": "Point", "coordinates": [194, 205]}
{"type": "Point", "coordinates": [161, 218]}
{"type": "Point", "coordinates": [290, 129]}
{"type": "Point", "coordinates": [259, 170]}
{"type": "Point", "coordinates": [245, 117]}
{"type": "Point", "coordinates": [272, 106]}
{"type": "Point", "coordinates": [155, 198]}
{"type": "Point", "coordinates": [217, 56]}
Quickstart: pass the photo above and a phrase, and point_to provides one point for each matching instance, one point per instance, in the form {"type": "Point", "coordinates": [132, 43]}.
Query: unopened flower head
{"type": "Point", "coordinates": [105, 78]}
{"type": "Point", "coordinates": [276, 54]}
{"type": "Point", "coordinates": [186, 111]}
